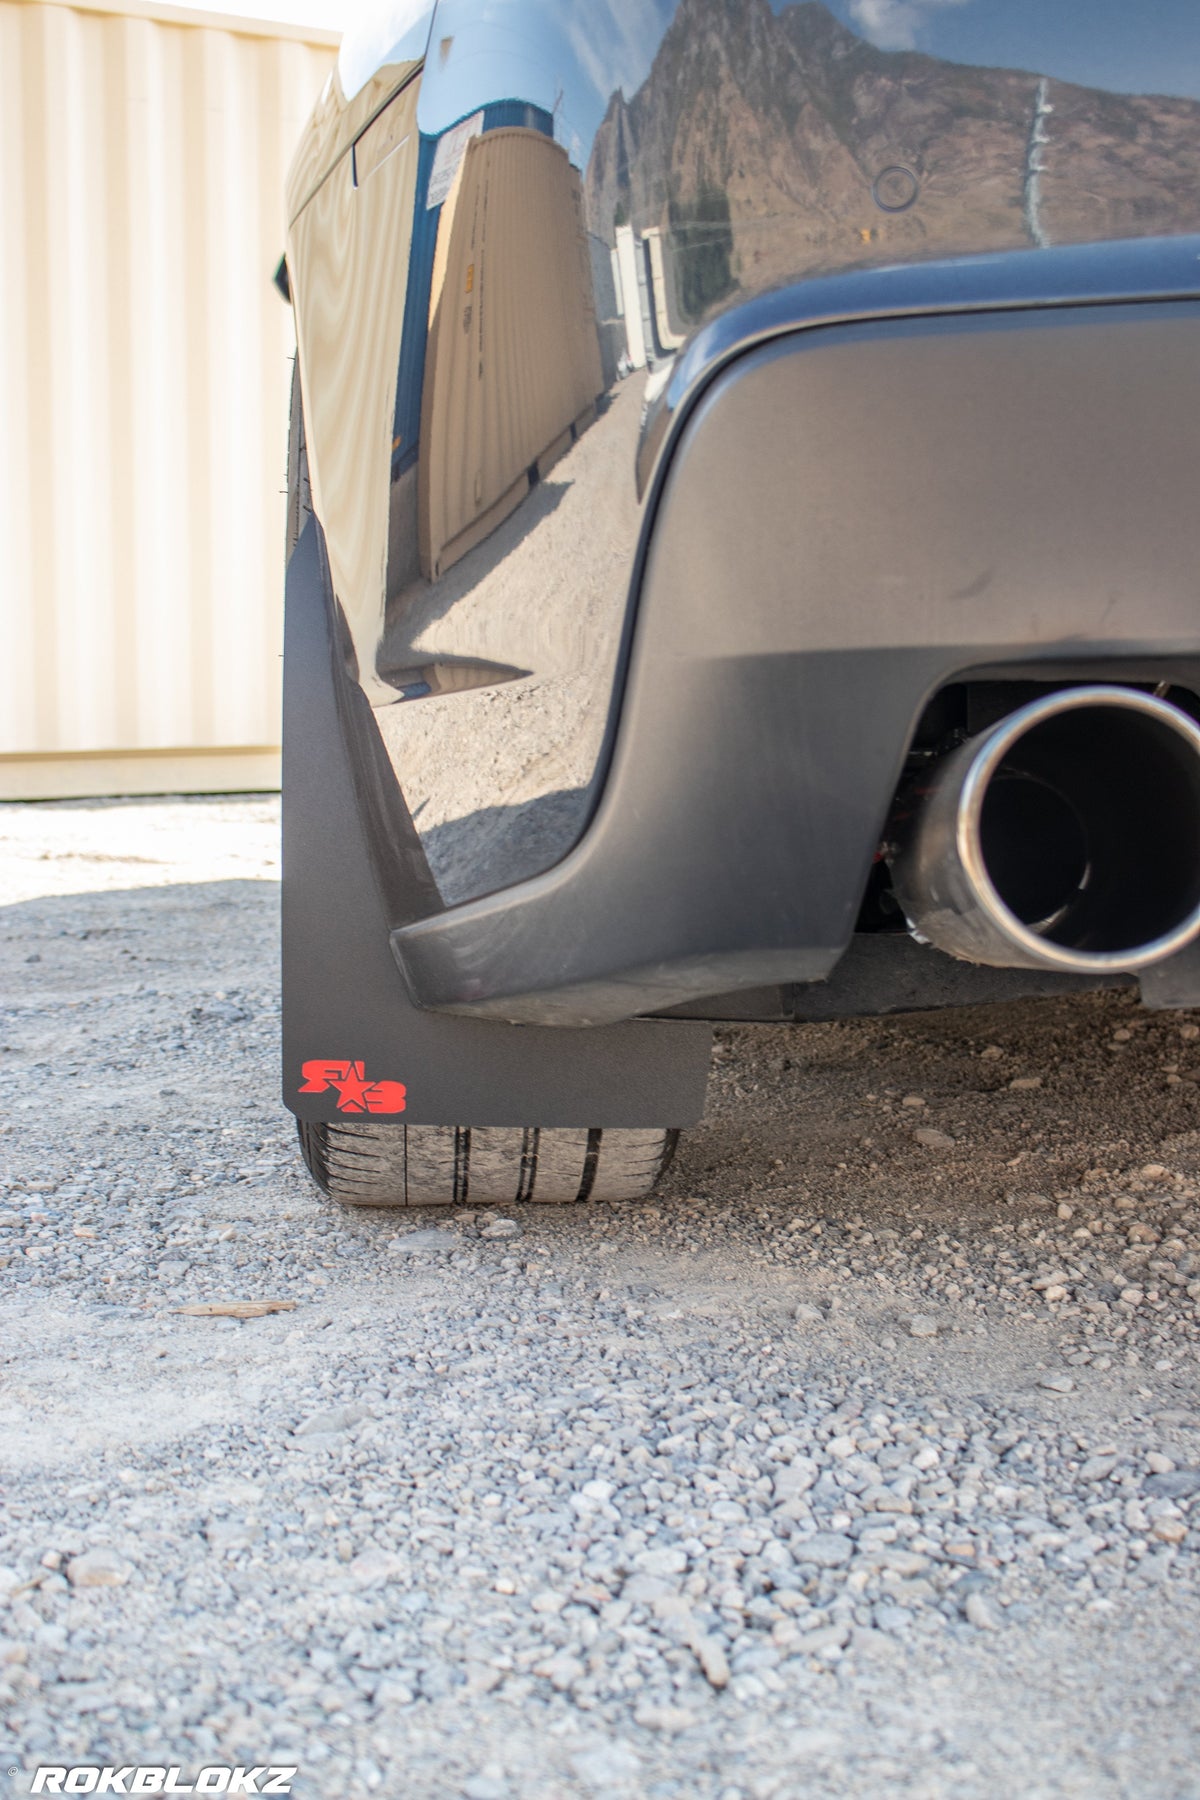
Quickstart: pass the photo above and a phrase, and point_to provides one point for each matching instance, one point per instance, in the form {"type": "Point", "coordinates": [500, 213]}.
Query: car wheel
{"type": "Point", "coordinates": [447, 1165]}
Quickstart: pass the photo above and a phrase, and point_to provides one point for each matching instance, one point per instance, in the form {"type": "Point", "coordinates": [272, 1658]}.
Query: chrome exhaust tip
{"type": "Point", "coordinates": [1066, 837]}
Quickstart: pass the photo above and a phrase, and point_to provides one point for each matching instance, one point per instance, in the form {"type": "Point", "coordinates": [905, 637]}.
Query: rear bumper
{"type": "Point", "coordinates": [983, 471]}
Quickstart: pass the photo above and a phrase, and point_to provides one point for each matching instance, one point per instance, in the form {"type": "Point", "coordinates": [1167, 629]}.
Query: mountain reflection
{"type": "Point", "coordinates": [757, 142]}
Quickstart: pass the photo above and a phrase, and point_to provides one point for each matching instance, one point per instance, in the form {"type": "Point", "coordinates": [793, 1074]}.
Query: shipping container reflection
{"type": "Point", "coordinates": [499, 778]}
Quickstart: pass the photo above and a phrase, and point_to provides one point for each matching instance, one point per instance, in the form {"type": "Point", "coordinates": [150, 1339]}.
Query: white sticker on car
{"type": "Point", "coordinates": [450, 152]}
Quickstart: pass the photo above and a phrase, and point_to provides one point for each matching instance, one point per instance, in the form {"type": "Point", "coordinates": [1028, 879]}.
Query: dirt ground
{"type": "Point", "coordinates": [862, 1461]}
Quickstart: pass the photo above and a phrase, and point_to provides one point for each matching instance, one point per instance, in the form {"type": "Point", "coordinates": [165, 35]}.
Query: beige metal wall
{"type": "Point", "coordinates": [514, 357]}
{"type": "Point", "coordinates": [145, 362]}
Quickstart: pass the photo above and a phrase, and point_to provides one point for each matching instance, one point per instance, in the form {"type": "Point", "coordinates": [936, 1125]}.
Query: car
{"type": "Point", "coordinates": [742, 555]}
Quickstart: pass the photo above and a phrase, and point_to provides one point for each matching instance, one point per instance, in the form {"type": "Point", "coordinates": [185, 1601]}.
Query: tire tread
{"type": "Point", "coordinates": [369, 1164]}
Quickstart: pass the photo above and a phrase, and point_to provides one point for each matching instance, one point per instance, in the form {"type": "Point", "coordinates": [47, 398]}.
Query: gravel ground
{"type": "Point", "coordinates": [862, 1462]}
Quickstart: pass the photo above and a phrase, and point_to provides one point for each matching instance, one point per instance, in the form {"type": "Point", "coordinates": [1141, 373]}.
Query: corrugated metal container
{"type": "Point", "coordinates": [145, 362]}
{"type": "Point", "coordinates": [514, 357]}
{"type": "Point", "coordinates": [627, 254]}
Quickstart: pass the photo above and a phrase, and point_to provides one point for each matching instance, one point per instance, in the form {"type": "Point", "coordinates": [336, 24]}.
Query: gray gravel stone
{"type": "Point", "coordinates": [979, 1611]}
{"type": "Point", "coordinates": [98, 1568]}
{"type": "Point", "coordinates": [325, 1424]}
{"type": "Point", "coordinates": [431, 1240]}
{"type": "Point", "coordinates": [577, 1512]}
{"type": "Point", "coordinates": [1176, 1484]}
{"type": "Point", "coordinates": [826, 1549]}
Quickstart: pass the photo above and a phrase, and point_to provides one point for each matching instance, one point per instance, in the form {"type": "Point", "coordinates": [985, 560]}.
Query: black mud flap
{"type": "Point", "coordinates": [354, 1045]}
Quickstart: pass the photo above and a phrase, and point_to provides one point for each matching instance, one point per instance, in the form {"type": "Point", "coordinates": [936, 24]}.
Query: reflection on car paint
{"type": "Point", "coordinates": [349, 326]}
{"type": "Point", "coordinates": [585, 185]}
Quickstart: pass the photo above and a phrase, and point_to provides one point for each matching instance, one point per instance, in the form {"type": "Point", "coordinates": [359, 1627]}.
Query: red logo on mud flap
{"type": "Point", "coordinates": [355, 1093]}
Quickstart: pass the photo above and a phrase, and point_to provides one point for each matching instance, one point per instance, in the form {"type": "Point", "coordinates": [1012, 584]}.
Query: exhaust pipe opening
{"type": "Point", "coordinates": [1034, 846]}
{"type": "Point", "coordinates": [1066, 837]}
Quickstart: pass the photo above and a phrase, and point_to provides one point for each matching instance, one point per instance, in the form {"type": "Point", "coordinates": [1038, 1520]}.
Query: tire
{"type": "Point", "coordinates": [445, 1165]}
